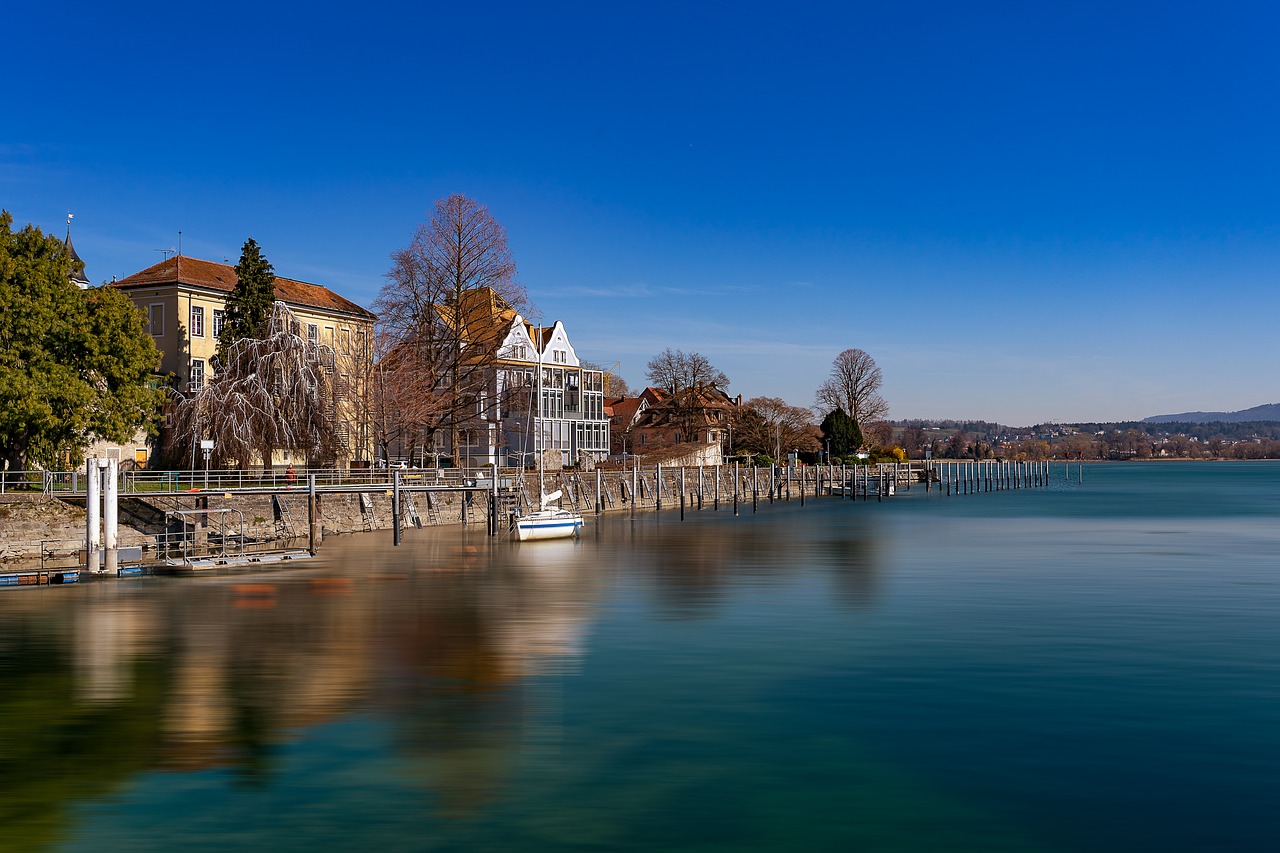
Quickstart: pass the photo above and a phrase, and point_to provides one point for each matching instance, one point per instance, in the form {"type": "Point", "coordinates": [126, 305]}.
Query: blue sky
{"type": "Point", "coordinates": [1023, 211]}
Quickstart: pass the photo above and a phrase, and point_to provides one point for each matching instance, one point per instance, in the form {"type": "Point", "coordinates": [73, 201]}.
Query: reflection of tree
{"type": "Point", "coordinates": [461, 649]}
{"type": "Point", "coordinates": [694, 565]}
{"type": "Point", "coordinates": [852, 562]}
{"type": "Point", "coordinates": [56, 751]}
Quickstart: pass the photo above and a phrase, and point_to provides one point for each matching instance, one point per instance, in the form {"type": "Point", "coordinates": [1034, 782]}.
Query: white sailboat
{"type": "Point", "coordinates": [549, 522]}
{"type": "Point", "coordinates": [546, 522]}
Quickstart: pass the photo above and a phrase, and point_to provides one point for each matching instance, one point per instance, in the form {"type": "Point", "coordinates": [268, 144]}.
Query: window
{"type": "Point", "coordinates": [219, 320]}
{"type": "Point", "coordinates": [197, 321]}
{"type": "Point", "coordinates": [197, 374]}
{"type": "Point", "coordinates": [313, 333]}
{"type": "Point", "coordinates": [346, 341]}
{"type": "Point", "coordinates": [571, 393]}
{"type": "Point", "coordinates": [155, 319]}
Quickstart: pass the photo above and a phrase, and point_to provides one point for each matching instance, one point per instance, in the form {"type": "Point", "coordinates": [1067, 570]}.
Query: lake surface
{"type": "Point", "coordinates": [1093, 666]}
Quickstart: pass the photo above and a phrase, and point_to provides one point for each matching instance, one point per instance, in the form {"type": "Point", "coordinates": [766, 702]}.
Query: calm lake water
{"type": "Point", "coordinates": [1094, 666]}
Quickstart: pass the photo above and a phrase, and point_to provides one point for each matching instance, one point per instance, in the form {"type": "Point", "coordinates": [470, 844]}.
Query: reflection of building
{"type": "Point", "coordinates": [184, 300]}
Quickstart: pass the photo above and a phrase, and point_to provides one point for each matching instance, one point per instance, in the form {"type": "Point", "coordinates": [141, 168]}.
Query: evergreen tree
{"type": "Point", "coordinates": [249, 304]}
{"type": "Point", "coordinates": [75, 365]}
{"type": "Point", "coordinates": [842, 431]}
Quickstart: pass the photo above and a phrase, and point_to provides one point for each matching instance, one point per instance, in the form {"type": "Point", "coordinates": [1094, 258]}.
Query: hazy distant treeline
{"type": "Point", "coordinates": [1243, 431]}
{"type": "Point", "coordinates": [1126, 440]}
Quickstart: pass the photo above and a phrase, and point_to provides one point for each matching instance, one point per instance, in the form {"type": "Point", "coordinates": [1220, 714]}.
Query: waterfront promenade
{"type": "Point", "coordinates": [223, 514]}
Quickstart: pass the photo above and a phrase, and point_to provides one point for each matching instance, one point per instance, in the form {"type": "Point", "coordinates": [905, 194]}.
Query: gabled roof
{"type": "Point", "coordinates": [547, 332]}
{"type": "Point", "coordinates": [214, 276]}
{"type": "Point", "coordinates": [704, 406]}
{"type": "Point", "coordinates": [655, 396]}
{"type": "Point", "coordinates": [626, 410]}
{"type": "Point", "coordinates": [482, 318]}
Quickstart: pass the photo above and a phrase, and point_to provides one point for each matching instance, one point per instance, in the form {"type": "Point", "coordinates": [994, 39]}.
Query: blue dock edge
{"type": "Point", "coordinates": [40, 578]}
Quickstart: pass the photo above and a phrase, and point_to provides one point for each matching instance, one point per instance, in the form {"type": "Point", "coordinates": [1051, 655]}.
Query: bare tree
{"type": "Point", "coordinates": [616, 386]}
{"type": "Point", "coordinates": [445, 309]}
{"type": "Point", "coordinates": [275, 391]}
{"type": "Point", "coordinates": [694, 383]}
{"type": "Point", "coordinates": [676, 370]}
{"type": "Point", "coordinates": [401, 403]}
{"type": "Point", "coordinates": [879, 434]}
{"type": "Point", "coordinates": [854, 386]}
{"type": "Point", "coordinates": [914, 440]}
{"type": "Point", "coordinates": [776, 428]}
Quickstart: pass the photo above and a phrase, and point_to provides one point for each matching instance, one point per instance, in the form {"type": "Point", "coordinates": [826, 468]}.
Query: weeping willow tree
{"type": "Point", "coordinates": [273, 391]}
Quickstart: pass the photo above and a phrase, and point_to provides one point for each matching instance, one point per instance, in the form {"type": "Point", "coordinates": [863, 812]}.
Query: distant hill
{"type": "Point", "coordinates": [1267, 412]}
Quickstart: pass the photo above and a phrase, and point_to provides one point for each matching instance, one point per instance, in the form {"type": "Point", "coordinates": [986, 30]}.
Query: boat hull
{"type": "Point", "coordinates": [548, 525]}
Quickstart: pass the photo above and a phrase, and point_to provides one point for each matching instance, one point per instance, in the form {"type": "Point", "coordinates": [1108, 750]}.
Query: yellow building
{"type": "Point", "coordinates": [184, 300]}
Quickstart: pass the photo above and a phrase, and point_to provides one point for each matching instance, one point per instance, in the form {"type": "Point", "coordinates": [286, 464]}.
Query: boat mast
{"type": "Point", "coordinates": [537, 421]}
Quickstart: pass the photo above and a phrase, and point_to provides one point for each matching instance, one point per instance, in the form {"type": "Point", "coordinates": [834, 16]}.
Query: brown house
{"type": "Point", "coordinates": [693, 426]}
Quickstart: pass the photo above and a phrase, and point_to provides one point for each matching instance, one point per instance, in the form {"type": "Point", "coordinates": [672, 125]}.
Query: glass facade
{"type": "Point", "coordinates": [569, 416]}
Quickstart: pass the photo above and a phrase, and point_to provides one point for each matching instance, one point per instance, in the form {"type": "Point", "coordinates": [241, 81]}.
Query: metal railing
{"type": "Point", "coordinates": [69, 483]}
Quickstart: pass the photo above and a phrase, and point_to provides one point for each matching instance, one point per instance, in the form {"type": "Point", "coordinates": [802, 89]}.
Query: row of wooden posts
{"type": "Point", "coordinates": [686, 489]}
{"type": "Point", "coordinates": [695, 488]}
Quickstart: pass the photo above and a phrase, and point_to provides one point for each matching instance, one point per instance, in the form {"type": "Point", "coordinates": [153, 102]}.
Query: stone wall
{"type": "Point", "coordinates": [30, 523]}
{"type": "Point", "coordinates": [27, 521]}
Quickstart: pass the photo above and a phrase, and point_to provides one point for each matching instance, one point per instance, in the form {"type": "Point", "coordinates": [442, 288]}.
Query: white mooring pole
{"type": "Point", "coordinates": [111, 513]}
{"type": "Point", "coordinates": [92, 519]}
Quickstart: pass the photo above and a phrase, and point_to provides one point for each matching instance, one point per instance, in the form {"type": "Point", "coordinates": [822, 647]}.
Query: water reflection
{"type": "Point", "coordinates": [694, 567]}
{"type": "Point", "coordinates": [825, 678]}
{"type": "Point", "coordinates": [450, 639]}
{"type": "Point", "coordinates": [108, 680]}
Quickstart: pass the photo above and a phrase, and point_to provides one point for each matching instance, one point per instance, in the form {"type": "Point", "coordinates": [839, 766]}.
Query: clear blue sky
{"type": "Point", "coordinates": [1023, 211]}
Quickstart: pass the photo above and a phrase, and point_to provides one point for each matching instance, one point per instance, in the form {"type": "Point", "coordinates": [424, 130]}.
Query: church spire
{"type": "Point", "coordinates": [78, 278]}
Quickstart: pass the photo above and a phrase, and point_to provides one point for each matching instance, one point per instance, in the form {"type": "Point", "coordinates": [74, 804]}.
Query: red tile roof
{"type": "Point", "coordinates": [625, 411]}
{"type": "Point", "coordinates": [215, 276]}
{"type": "Point", "coordinates": [485, 316]}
